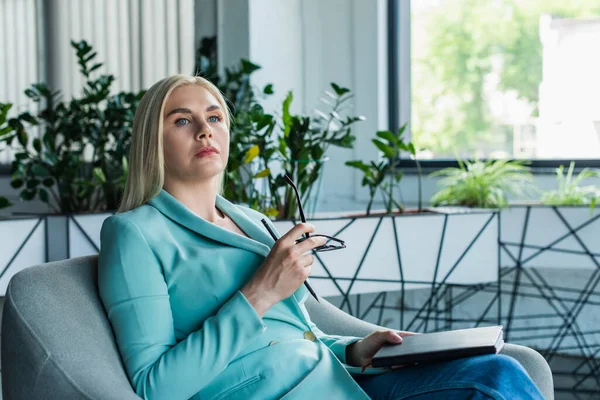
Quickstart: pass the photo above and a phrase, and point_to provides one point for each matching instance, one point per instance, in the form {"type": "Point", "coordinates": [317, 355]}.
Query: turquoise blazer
{"type": "Point", "coordinates": [169, 281]}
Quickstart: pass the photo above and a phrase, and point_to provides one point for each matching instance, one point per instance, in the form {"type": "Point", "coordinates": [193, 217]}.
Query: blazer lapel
{"type": "Point", "coordinates": [258, 241]}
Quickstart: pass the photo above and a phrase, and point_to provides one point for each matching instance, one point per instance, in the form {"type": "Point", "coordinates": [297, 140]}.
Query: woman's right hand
{"type": "Point", "coordinates": [284, 270]}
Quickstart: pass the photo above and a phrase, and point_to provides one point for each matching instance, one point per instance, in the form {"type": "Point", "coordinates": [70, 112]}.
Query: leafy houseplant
{"type": "Point", "coordinates": [77, 163]}
{"type": "Point", "coordinates": [301, 144]}
{"type": "Point", "coordinates": [482, 183]}
{"type": "Point", "coordinates": [391, 145]}
{"type": "Point", "coordinates": [569, 191]}
{"type": "Point", "coordinates": [264, 148]}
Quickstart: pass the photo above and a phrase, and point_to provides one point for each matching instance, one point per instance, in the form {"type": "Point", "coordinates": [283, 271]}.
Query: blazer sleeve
{"type": "Point", "coordinates": [337, 344]}
{"type": "Point", "coordinates": [134, 293]}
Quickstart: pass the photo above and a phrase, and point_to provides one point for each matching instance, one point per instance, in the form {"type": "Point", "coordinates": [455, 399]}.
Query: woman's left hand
{"type": "Point", "coordinates": [360, 353]}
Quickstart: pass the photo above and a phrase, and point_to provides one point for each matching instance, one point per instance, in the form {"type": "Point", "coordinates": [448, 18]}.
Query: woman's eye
{"type": "Point", "coordinates": [182, 122]}
{"type": "Point", "coordinates": [214, 118]}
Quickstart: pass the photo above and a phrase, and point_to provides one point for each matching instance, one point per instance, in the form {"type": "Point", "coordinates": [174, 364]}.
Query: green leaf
{"type": "Point", "coordinates": [389, 136]}
{"type": "Point", "coordinates": [340, 91]}
{"type": "Point", "coordinates": [99, 175]}
{"type": "Point", "coordinates": [39, 170]}
{"type": "Point", "coordinates": [16, 183]}
{"type": "Point", "coordinates": [28, 118]}
{"type": "Point", "coordinates": [387, 150]}
{"type": "Point", "coordinates": [358, 164]}
{"type": "Point", "coordinates": [251, 154]}
{"type": "Point", "coordinates": [48, 182]}
{"type": "Point", "coordinates": [263, 174]}
{"type": "Point", "coordinates": [287, 117]}
{"type": "Point", "coordinates": [95, 67]}
{"type": "Point", "coordinates": [33, 183]}
{"type": "Point", "coordinates": [23, 137]}
{"type": "Point", "coordinates": [32, 94]}
{"type": "Point", "coordinates": [37, 145]}
{"type": "Point", "coordinates": [268, 89]}
{"type": "Point", "coordinates": [43, 193]}
{"type": "Point", "coordinates": [28, 194]}
{"type": "Point", "coordinates": [4, 108]}
{"type": "Point", "coordinates": [271, 212]}
{"type": "Point", "coordinates": [249, 67]}
{"type": "Point", "coordinates": [5, 130]}
{"type": "Point", "coordinates": [4, 202]}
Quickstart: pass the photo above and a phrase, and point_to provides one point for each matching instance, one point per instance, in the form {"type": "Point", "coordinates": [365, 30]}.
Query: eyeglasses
{"type": "Point", "coordinates": [337, 243]}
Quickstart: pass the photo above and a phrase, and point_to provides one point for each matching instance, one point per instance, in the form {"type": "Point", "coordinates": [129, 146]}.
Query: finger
{"type": "Point", "coordinates": [300, 229]}
{"type": "Point", "coordinates": [390, 337]}
{"type": "Point", "coordinates": [311, 243]}
{"type": "Point", "coordinates": [365, 367]}
{"type": "Point", "coordinates": [404, 333]}
{"type": "Point", "coordinates": [305, 260]}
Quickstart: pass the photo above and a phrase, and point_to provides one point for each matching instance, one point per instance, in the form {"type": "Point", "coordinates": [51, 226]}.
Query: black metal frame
{"type": "Point", "coordinates": [442, 294]}
{"type": "Point", "coordinates": [526, 282]}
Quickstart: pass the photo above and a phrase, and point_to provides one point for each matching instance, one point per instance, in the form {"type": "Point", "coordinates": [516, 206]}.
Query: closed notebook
{"type": "Point", "coordinates": [440, 346]}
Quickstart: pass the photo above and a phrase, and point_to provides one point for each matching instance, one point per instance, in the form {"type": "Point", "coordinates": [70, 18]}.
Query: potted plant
{"type": "Point", "coordinates": [542, 244]}
{"type": "Point", "coordinates": [70, 155]}
{"type": "Point", "coordinates": [376, 173]}
{"type": "Point", "coordinates": [77, 162]}
{"type": "Point", "coordinates": [569, 191]}
{"type": "Point", "coordinates": [484, 184]}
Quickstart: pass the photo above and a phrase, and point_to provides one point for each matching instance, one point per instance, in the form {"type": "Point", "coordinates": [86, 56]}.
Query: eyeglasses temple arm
{"type": "Point", "coordinates": [302, 217]}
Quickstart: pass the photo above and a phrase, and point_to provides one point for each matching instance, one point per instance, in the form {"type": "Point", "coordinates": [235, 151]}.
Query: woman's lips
{"type": "Point", "coordinates": [207, 152]}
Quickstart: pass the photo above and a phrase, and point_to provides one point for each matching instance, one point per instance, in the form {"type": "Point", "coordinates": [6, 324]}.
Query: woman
{"type": "Point", "coordinates": [205, 304]}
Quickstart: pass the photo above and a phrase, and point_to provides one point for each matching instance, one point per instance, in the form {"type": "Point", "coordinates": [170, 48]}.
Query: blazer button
{"type": "Point", "coordinates": [308, 335]}
{"type": "Point", "coordinates": [273, 342]}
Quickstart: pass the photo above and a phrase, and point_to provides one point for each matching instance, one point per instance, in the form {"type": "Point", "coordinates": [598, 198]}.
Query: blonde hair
{"type": "Point", "coordinates": [146, 174]}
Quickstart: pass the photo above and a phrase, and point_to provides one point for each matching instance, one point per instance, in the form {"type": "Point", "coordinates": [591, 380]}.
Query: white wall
{"type": "Point", "coordinates": [304, 45]}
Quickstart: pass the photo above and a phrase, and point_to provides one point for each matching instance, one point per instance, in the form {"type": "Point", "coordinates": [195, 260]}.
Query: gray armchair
{"type": "Point", "coordinates": [58, 344]}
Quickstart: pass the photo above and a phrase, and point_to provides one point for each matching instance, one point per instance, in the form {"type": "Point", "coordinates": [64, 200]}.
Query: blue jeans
{"type": "Point", "coordinates": [497, 377]}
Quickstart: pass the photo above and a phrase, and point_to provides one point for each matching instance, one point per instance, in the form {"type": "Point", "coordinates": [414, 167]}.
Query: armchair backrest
{"type": "Point", "coordinates": [57, 342]}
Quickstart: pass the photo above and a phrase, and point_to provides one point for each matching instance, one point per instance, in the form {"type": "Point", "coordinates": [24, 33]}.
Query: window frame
{"type": "Point", "coordinates": [399, 97]}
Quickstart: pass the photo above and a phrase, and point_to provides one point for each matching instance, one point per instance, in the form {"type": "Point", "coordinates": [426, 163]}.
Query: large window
{"type": "Point", "coordinates": [506, 78]}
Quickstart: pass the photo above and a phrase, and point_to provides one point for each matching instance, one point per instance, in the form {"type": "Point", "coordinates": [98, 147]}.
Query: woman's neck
{"type": "Point", "coordinates": [199, 197]}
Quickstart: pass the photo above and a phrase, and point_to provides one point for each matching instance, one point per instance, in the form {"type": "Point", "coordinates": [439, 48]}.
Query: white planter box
{"type": "Point", "coordinates": [23, 244]}
{"type": "Point", "coordinates": [383, 254]}
{"type": "Point", "coordinates": [545, 237]}
{"type": "Point", "coordinates": [84, 234]}
{"type": "Point", "coordinates": [550, 258]}
{"type": "Point", "coordinates": [391, 253]}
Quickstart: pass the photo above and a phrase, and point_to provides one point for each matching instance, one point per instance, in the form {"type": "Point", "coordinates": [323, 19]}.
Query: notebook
{"type": "Point", "coordinates": [440, 346]}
